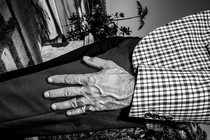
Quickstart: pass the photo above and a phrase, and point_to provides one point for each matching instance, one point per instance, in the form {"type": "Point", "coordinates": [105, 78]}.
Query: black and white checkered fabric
{"type": "Point", "coordinates": [173, 71]}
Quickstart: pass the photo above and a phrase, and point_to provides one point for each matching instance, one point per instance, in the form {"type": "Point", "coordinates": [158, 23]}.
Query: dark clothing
{"type": "Point", "coordinates": [24, 110]}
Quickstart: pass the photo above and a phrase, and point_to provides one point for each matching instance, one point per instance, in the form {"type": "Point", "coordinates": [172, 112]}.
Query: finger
{"type": "Point", "coordinates": [81, 110]}
{"type": "Point", "coordinates": [76, 111]}
{"type": "Point", "coordinates": [98, 62]}
{"type": "Point", "coordinates": [65, 92]}
{"type": "Point", "coordinates": [81, 79]}
{"type": "Point", "coordinates": [89, 108]}
{"type": "Point", "coordinates": [72, 103]}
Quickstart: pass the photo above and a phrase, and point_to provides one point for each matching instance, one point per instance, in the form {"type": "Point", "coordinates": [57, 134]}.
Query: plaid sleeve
{"type": "Point", "coordinates": [173, 71]}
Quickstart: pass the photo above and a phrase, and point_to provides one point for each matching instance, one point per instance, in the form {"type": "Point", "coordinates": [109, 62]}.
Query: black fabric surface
{"type": "Point", "coordinates": [24, 110]}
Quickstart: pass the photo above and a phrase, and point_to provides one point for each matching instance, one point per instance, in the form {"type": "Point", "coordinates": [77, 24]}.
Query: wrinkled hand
{"type": "Point", "coordinates": [110, 88]}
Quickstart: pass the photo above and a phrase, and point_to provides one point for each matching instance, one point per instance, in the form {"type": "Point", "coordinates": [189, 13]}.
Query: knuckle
{"type": "Point", "coordinates": [67, 92]}
{"type": "Point", "coordinates": [93, 59]}
{"type": "Point", "coordinates": [91, 79]}
{"type": "Point", "coordinates": [80, 80]}
{"type": "Point", "coordinates": [67, 79]}
{"type": "Point", "coordinates": [91, 108]}
{"type": "Point", "coordinates": [82, 101]}
{"type": "Point", "coordinates": [73, 103]}
{"type": "Point", "coordinates": [89, 90]}
{"type": "Point", "coordinates": [83, 90]}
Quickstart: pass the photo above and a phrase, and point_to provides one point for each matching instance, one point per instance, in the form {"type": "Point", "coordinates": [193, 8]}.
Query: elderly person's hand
{"type": "Point", "coordinates": [110, 88]}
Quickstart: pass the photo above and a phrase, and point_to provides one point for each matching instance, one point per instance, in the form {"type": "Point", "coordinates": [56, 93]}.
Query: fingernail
{"type": "Point", "coordinates": [68, 113]}
{"type": "Point", "coordinates": [86, 57]}
{"type": "Point", "coordinates": [53, 106]}
{"type": "Point", "coordinates": [46, 94]}
{"type": "Point", "coordinates": [92, 108]}
{"type": "Point", "coordinates": [50, 79]}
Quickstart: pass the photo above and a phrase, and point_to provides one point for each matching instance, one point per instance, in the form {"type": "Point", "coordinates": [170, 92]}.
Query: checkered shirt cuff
{"type": "Point", "coordinates": [172, 94]}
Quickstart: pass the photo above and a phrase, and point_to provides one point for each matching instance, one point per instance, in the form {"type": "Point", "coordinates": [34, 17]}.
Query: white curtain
{"type": "Point", "coordinates": [50, 22]}
{"type": "Point", "coordinates": [65, 9]}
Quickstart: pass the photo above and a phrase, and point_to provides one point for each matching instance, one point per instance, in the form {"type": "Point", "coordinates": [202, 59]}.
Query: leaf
{"type": "Point", "coordinates": [139, 7]}
{"type": "Point", "coordinates": [144, 12]}
{"type": "Point", "coordinates": [141, 24]}
{"type": "Point", "coordinates": [122, 15]}
{"type": "Point", "coordinates": [116, 15]}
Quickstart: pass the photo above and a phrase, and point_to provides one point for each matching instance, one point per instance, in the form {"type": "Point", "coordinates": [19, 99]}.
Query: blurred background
{"type": "Point", "coordinates": [35, 31]}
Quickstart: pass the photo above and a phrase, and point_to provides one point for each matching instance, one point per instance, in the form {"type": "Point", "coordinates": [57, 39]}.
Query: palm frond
{"type": "Point", "coordinates": [116, 15]}
{"type": "Point", "coordinates": [144, 12]}
{"type": "Point", "coordinates": [141, 24]}
{"type": "Point", "coordinates": [139, 7]}
{"type": "Point", "coordinates": [122, 15]}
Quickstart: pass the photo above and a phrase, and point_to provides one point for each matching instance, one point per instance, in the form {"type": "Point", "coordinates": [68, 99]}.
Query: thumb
{"type": "Point", "coordinates": [98, 62]}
